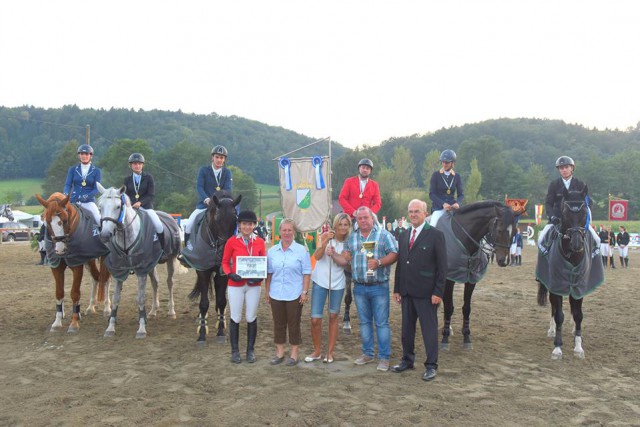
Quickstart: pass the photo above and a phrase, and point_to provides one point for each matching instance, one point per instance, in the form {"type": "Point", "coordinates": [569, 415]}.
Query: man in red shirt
{"type": "Point", "coordinates": [360, 190]}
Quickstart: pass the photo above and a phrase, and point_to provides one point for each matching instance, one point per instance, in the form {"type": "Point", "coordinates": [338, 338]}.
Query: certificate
{"type": "Point", "coordinates": [251, 267]}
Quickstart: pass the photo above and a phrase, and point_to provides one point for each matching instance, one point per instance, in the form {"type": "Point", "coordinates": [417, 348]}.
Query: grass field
{"type": "Point", "coordinates": [26, 187]}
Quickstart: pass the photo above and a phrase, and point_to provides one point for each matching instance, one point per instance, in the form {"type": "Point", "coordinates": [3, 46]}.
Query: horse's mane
{"type": "Point", "coordinates": [479, 205]}
{"type": "Point", "coordinates": [111, 193]}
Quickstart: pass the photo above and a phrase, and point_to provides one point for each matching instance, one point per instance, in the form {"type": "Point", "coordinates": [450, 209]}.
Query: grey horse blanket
{"type": "Point", "coordinates": [84, 245]}
{"type": "Point", "coordinates": [462, 267]}
{"type": "Point", "coordinates": [561, 277]}
{"type": "Point", "coordinates": [200, 253]}
{"type": "Point", "coordinates": [144, 253]}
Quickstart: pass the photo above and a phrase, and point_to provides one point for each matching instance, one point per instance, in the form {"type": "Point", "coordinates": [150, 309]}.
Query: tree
{"type": "Point", "coordinates": [473, 184]}
{"type": "Point", "coordinates": [431, 163]}
{"type": "Point", "coordinates": [115, 162]}
{"type": "Point", "coordinates": [176, 171]}
{"type": "Point", "coordinates": [245, 185]}
{"type": "Point", "coordinates": [57, 172]}
{"type": "Point", "coordinates": [491, 163]}
{"type": "Point", "coordinates": [403, 169]}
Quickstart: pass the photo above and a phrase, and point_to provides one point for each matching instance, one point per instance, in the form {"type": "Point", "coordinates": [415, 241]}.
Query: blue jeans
{"type": "Point", "coordinates": [318, 297]}
{"type": "Point", "coordinates": [372, 303]}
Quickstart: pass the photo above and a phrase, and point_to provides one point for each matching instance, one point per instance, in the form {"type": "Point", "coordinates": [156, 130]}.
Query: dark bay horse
{"type": "Point", "coordinates": [134, 246]}
{"type": "Point", "coordinates": [467, 260]}
{"type": "Point", "coordinates": [72, 241]}
{"type": "Point", "coordinates": [204, 253]}
{"type": "Point", "coordinates": [568, 268]}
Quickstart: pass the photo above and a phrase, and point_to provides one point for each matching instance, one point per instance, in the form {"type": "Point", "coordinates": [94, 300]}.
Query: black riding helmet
{"type": "Point", "coordinates": [365, 162]}
{"type": "Point", "coordinates": [84, 148]}
{"type": "Point", "coordinates": [247, 216]}
{"type": "Point", "coordinates": [448, 156]}
{"type": "Point", "coordinates": [219, 149]}
{"type": "Point", "coordinates": [136, 157]}
{"type": "Point", "coordinates": [565, 160]}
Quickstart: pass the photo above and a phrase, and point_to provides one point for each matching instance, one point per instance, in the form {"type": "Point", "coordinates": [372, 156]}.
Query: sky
{"type": "Point", "coordinates": [357, 71]}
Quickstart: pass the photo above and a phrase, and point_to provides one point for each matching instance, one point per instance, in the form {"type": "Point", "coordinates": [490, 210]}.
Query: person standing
{"type": "Point", "coordinates": [81, 182]}
{"type": "Point", "coordinates": [516, 248]}
{"type": "Point", "coordinates": [328, 284]}
{"type": "Point", "coordinates": [445, 187]}
{"type": "Point", "coordinates": [612, 245]}
{"type": "Point", "coordinates": [419, 286]}
{"type": "Point", "coordinates": [287, 286]}
{"type": "Point", "coordinates": [360, 190]}
{"type": "Point", "coordinates": [371, 284]}
{"type": "Point", "coordinates": [211, 179]}
{"type": "Point", "coordinates": [623, 243]}
{"type": "Point", "coordinates": [605, 248]}
{"type": "Point", "coordinates": [241, 291]}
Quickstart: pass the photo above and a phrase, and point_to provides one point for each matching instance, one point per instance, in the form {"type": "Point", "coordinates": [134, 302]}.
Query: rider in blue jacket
{"type": "Point", "coordinates": [81, 182]}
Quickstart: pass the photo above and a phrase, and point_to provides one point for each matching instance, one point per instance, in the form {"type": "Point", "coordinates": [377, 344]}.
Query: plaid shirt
{"type": "Point", "coordinates": [385, 244]}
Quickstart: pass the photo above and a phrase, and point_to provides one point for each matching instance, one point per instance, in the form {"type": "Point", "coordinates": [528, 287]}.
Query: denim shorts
{"type": "Point", "coordinates": [318, 297]}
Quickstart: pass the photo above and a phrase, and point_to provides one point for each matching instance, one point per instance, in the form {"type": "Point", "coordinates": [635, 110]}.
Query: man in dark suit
{"type": "Point", "coordinates": [419, 286]}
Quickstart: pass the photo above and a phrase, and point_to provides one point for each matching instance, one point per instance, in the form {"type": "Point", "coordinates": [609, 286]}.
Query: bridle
{"type": "Point", "coordinates": [66, 226]}
{"type": "Point", "coordinates": [489, 237]}
{"type": "Point", "coordinates": [215, 241]}
{"type": "Point", "coordinates": [569, 232]}
{"type": "Point", "coordinates": [119, 222]}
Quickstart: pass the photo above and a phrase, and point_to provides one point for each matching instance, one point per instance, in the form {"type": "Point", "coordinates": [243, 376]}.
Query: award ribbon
{"type": "Point", "coordinates": [285, 164]}
{"type": "Point", "coordinates": [316, 161]}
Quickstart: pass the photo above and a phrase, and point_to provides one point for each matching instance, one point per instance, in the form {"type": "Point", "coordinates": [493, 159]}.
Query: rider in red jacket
{"type": "Point", "coordinates": [360, 190]}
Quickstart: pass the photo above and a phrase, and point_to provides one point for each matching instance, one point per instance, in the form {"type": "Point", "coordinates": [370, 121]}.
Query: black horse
{"type": "Point", "coordinates": [467, 255]}
{"type": "Point", "coordinates": [204, 253]}
{"type": "Point", "coordinates": [565, 268]}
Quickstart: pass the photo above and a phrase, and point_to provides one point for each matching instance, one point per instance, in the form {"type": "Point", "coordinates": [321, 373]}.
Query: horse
{"type": "Point", "coordinates": [566, 267]}
{"type": "Point", "coordinates": [5, 211]}
{"type": "Point", "coordinates": [468, 231]}
{"type": "Point", "coordinates": [72, 241]}
{"type": "Point", "coordinates": [204, 253]}
{"type": "Point", "coordinates": [134, 247]}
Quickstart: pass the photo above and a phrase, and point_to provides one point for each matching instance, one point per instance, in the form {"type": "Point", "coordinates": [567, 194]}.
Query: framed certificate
{"type": "Point", "coordinates": [251, 267]}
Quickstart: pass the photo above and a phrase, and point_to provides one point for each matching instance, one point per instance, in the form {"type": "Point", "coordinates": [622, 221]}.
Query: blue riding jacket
{"type": "Point", "coordinates": [206, 184]}
{"type": "Point", "coordinates": [438, 187]}
{"type": "Point", "coordinates": [74, 180]}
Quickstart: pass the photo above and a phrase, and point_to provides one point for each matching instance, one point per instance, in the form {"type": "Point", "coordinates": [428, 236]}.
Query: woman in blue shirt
{"type": "Point", "coordinates": [81, 182]}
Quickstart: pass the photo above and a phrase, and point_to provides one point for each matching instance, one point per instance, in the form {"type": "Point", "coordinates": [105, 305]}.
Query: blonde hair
{"type": "Point", "coordinates": [338, 218]}
{"type": "Point", "coordinates": [287, 221]}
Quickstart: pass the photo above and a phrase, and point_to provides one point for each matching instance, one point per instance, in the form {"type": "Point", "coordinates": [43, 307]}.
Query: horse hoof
{"type": "Point", "coordinates": [72, 330]}
{"type": "Point", "coordinates": [221, 339]}
{"type": "Point", "coordinates": [551, 333]}
{"type": "Point", "coordinates": [579, 354]}
{"type": "Point", "coordinates": [109, 334]}
{"type": "Point", "coordinates": [141, 335]}
{"type": "Point", "coordinates": [556, 354]}
{"type": "Point", "coordinates": [444, 346]}
{"type": "Point", "coordinates": [172, 316]}
{"type": "Point", "coordinates": [201, 342]}
{"type": "Point", "coordinates": [468, 346]}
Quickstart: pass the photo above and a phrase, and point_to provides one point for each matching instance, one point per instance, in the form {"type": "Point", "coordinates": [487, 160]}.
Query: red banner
{"type": "Point", "coordinates": [618, 210]}
{"type": "Point", "coordinates": [519, 206]}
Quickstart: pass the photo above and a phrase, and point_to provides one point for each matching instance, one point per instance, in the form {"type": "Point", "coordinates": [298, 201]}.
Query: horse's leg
{"type": "Point", "coordinates": [58, 276]}
{"type": "Point", "coordinates": [220, 284]}
{"type": "Point", "coordinates": [466, 314]}
{"type": "Point", "coordinates": [95, 277]}
{"type": "Point", "coordinates": [576, 312]}
{"type": "Point", "coordinates": [155, 303]}
{"type": "Point", "coordinates": [556, 304]}
{"type": "Point", "coordinates": [142, 311]}
{"type": "Point", "coordinates": [202, 285]}
{"type": "Point", "coordinates": [78, 271]}
{"type": "Point", "coordinates": [448, 312]}
{"type": "Point", "coordinates": [171, 269]}
{"type": "Point", "coordinates": [111, 329]}
{"type": "Point", "coordinates": [348, 299]}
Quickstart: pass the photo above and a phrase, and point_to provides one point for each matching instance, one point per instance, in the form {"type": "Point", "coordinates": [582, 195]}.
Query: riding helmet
{"type": "Point", "coordinates": [219, 149]}
{"type": "Point", "coordinates": [247, 216]}
{"type": "Point", "coordinates": [366, 162]}
{"type": "Point", "coordinates": [448, 156]}
{"type": "Point", "coordinates": [136, 157]}
{"type": "Point", "coordinates": [565, 160]}
{"type": "Point", "coordinates": [84, 148]}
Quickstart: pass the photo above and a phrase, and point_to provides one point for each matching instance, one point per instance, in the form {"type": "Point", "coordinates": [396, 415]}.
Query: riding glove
{"type": "Point", "coordinates": [235, 277]}
{"type": "Point", "coordinates": [554, 220]}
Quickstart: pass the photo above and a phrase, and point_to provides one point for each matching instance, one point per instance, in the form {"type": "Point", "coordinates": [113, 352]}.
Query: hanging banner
{"type": "Point", "coordinates": [618, 209]}
{"type": "Point", "coordinates": [304, 194]}
{"type": "Point", "coordinates": [519, 206]}
{"type": "Point", "coordinates": [539, 209]}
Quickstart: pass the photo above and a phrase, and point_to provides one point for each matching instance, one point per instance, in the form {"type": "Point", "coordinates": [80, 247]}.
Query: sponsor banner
{"type": "Point", "coordinates": [618, 209]}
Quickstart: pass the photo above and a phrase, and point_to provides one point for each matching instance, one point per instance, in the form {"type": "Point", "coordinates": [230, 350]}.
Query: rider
{"type": "Point", "coordinates": [210, 180]}
{"type": "Point", "coordinates": [360, 190]}
{"type": "Point", "coordinates": [445, 188]}
{"type": "Point", "coordinates": [553, 202]}
{"type": "Point", "coordinates": [81, 182]}
{"type": "Point", "coordinates": [141, 189]}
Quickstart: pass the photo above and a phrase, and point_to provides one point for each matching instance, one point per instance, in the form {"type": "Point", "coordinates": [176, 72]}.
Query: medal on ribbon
{"type": "Point", "coordinates": [84, 183]}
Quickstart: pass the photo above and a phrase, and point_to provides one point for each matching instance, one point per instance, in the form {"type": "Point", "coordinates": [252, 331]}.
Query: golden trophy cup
{"type": "Point", "coordinates": [369, 247]}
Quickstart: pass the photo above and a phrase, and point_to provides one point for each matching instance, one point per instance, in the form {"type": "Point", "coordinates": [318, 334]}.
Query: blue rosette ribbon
{"type": "Point", "coordinates": [285, 164]}
{"type": "Point", "coordinates": [122, 211]}
{"type": "Point", "coordinates": [316, 161]}
{"type": "Point", "coordinates": [587, 200]}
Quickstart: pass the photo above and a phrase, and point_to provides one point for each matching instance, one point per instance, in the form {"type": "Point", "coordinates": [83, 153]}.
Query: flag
{"type": "Point", "coordinates": [618, 209]}
{"type": "Point", "coordinates": [519, 206]}
{"type": "Point", "coordinates": [305, 196]}
{"type": "Point", "coordinates": [539, 209]}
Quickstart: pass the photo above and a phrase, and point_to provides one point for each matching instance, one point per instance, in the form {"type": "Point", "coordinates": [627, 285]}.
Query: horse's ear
{"type": "Point", "coordinates": [101, 189]}
{"type": "Point", "coordinates": [215, 200]}
{"type": "Point", "coordinates": [64, 201]}
{"type": "Point", "coordinates": [40, 200]}
{"type": "Point", "coordinates": [236, 202]}
{"type": "Point", "coordinates": [122, 189]}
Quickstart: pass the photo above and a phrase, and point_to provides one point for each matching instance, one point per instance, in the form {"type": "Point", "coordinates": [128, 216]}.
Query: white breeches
{"type": "Point", "coordinates": [623, 251]}
{"type": "Point", "coordinates": [93, 208]}
{"type": "Point", "coordinates": [155, 220]}
{"type": "Point", "coordinates": [238, 295]}
{"type": "Point", "coordinates": [605, 250]}
{"type": "Point", "coordinates": [192, 218]}
{"type": "Point", "coordinates": [435, 216]}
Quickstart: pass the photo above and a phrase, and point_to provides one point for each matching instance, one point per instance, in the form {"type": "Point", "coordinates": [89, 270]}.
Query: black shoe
{"type": "Point", "coordinates": [429, 374]}
{"type": "Point", "coordinates": [235, 357]}
{"type": "Point", "coordinates": [403, 366]}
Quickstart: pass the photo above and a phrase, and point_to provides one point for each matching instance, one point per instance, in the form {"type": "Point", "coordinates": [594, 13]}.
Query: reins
{"type": "Point", "coordinates": [488, 237]}
{"type": "Point", "coordinates": [121, 225]}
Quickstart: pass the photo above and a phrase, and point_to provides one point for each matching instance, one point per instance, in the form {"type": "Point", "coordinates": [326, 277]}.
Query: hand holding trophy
{"type": "Point", "coordinates": [369, 247]}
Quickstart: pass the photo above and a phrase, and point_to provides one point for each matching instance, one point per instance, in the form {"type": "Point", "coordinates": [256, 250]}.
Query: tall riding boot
{"type": "Point", "coordinates": [252, 332]}
{"type": "Point", "coordinates": [626, 262]}
{"type": "Point", "coordinates": [621, 262]}
{"type": "Point", "coordinates": [186, 238]}
{"type": "Point", "coordinates": [163, 257]}
{"type": "Point", "coordinates": [611, 261]}
{"type": "Point", "coordinates": [234, 334]}
{"type": "Point", "coordinates": [604, 261]}
{"type": "Point", "coordinates": [519, 259]}
{"type": "Point", "coordinates": [43, 254]}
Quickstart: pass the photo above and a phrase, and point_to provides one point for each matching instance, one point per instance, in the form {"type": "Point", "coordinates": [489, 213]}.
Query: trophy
{"type": "Point", "coordinates": [369, 247]}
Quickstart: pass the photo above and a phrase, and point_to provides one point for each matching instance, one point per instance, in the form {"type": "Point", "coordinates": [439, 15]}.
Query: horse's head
{"type": "Point", "coordinates": [573, 220]}
{"type": "Point", "coordinates": [5, 210]}
{"type": "Point", "coordinates": [222, 215]}
{"type": "Point", "coordinates": [501, 232]}
{"type": "Point", "coordinates": [58, 215]}
{"type": "Point", "coordinates": [114, 206]}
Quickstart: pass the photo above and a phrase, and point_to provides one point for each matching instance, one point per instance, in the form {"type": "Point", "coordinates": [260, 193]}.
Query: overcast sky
{"type": "Point", "coordinates": [357, 71]}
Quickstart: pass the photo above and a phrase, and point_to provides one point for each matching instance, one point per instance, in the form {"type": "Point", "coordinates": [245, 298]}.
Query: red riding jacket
{"type": "Point", "coordinates": [350, 199]}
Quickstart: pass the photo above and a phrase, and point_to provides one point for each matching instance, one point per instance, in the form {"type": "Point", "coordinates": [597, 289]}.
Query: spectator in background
{"type": "Point", "coordinates": [623, 239]}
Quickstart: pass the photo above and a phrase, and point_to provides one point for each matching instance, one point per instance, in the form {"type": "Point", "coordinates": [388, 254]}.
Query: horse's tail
{"type": "Point", "coordinates": [542, 294]}
{"type": "Point", "coordinates": [103, 278]}
{"type": "Point", "coordinates": [195, 292]}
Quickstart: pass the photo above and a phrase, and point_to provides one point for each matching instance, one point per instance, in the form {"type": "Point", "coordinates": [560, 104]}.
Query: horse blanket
{"type": "Point", "coordinates": [561, 277]}
{"type": "Point", "coordinates": [84, 244]}
{"type": "Point", "coordinates": [141, 257]}
{"type": "Point", "coordinates": [201, 253]}
{"type": "Point", "coordinates": [172, 242]}
{"type": "Point", "coordinates": [462, 266]}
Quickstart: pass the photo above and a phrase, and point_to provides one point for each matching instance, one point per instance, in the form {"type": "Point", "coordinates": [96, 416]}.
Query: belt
{"type": "Point", "coordinates": [370, 283]}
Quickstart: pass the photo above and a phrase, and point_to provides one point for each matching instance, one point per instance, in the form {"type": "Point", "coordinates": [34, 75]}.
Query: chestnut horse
{"type": "Point", "coordinates": [72, 241]}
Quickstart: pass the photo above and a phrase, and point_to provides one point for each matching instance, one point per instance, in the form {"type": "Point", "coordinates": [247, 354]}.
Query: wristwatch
{"type": "Point", "coordinates": [305, 292]}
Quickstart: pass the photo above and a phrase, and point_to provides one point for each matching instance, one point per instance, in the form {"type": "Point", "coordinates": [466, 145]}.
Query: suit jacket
{"type": "Point", "coordinates": [73, 184]}
{"type": "Point", "coordinates": [350, 199]}
{"type": "Point", "coordinates": [421, 271]}
{"type": "Point", "coordinates": [206, 183]}
{"type": "Point", "coordinates": [555, 193]}
{"type": "Point", "coordinates": [147, 190]}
